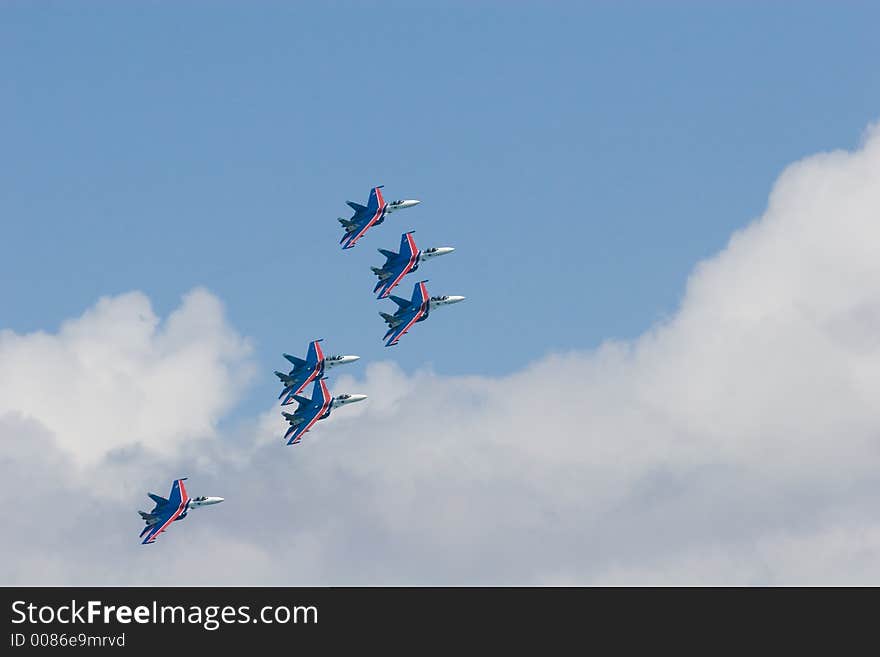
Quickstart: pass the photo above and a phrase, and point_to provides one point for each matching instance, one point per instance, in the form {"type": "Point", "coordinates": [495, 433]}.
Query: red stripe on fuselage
{"type": "Point", "coordinates": [424, 294]}
{"type": "Point", "coordinates": [372, 221]}
{"type": "Point", "coordinates": [416, 318]}
{"type": "Point", "coordinates": [406, 270]}
{"type": "Point", "coordinates": [319, 354]}
{"type": "Point", "coordinates": [310, 378]}
{"type": "Point", "coordinates": [184, 500]}
{"type": "Point", "coordinates": [327, 399]}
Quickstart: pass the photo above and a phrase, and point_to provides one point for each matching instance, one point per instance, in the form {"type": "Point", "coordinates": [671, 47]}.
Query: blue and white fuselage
{"type": "Point", "coordinates": [169, 510]}
{"type": "Point", "coordinates": [310, 411]}
{"type": "Point", "coordinates": [307, 371]}
{"type": "Point", "coordinates": [409, 312]}
{"type": "Point", "coordinates": [369, 215]}
{"type": "Point", "coordinates": [407, 260]}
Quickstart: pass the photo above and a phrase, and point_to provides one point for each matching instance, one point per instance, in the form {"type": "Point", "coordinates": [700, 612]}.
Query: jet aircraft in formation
{"type": "Point", "coordinates": [415, 310]}
{"type": "Point", "coordinates": [311, 410]}
{"type": "Point", "coordinates": [312, 369]}
{"type": "Point", "coordinates": [308, 370]}
{"type": "Point", "coordinates": [171, 510]}
{"type": "Point", "coordinates": [397, 265]}
{"type": "Point", "coordinates": [369, 215]}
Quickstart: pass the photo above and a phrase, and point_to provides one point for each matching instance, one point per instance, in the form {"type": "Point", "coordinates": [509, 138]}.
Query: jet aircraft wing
{"type": "Point", "coordinates": [416, 310]}
{"type": "Point", "coordinates": [297, 362]}
{"type": "Point", "coordinates": [372, 215]}
{"type": "Point", "coordinates": [295, 385]}
{"type": "Point", "coordinates": [312, 412]}
{"type": "Point", "coordinates": [403, 263]}
{"type": "Point", "coordinates": [178, 501]}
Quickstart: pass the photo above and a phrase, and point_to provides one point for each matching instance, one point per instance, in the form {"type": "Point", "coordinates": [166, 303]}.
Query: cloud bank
{"type": "Point", "coordinates": [115, 377]}
{"type": "Point", "coordinates": [736, 443]}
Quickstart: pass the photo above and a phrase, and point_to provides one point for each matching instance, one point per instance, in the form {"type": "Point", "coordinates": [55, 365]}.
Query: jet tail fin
{"type": "Point", "coordinates": [420, 293]}
{"type": "Point", "coordinates": [408, 245]}
{"type": "Point", "coordinates": [348, 224]}
{"type": "Point", "coordinates": [284, 378]}
{"type": "Point", "coordinates": [357, 207]}
{"type": "Point", "coordinates": [388, 254]}
{"type": "Point", "coordinates": [376, 199]}
{"type": "Point", "coordinates": [315, 354]}
{"type": "Point", "coordinates": [158, 499]}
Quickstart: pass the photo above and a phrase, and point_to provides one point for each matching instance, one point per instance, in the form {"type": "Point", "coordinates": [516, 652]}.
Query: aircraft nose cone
{"type": "Point", "coordinates": [456, 299]}
{"type": "Point", "coordinates": [351, 359]}
{"type": "Point", "coordinates": [357, 398]}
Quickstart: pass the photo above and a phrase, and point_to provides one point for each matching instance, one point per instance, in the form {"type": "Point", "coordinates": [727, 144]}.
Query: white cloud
{"type": "Point", "coordinates": [116, 376]}
{"type": "Point", "coordinates": [737, 442]}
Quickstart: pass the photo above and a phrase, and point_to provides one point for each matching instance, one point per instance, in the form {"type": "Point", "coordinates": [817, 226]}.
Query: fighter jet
{"type": "Point", "coordinates": [398, 265]}
{"type": "Point", "coordinates": [370, 215]}
{"type": "Point", "coordinates": [174, 508]}
{"type": "Point", "coordinates": [410, 312]}
{"type": "Point", "coordinates": [308, 370]}
{"type": "Point", "coordinates": [311, 410]}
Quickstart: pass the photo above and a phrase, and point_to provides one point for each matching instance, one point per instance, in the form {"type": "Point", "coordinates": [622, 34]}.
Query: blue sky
{"type": "Point", "coordinates": [580, 157]}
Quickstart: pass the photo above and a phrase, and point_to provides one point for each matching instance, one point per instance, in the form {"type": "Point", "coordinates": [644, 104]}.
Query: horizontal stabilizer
{"type": "Point", "coordinates": [348, 223]}
{"type": "Point", "coordinates": [158, 499]}
{"type": "Point", "coordinates": [388, 254]}
{"type": "Point", "coordinates": [149, 518]}
{"type": "Point", "coordinates": [391, 320]}
{"type": "Point", "coordinates": [284, 378]}
{"type": "Point", "coordinates": [357, 207]}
